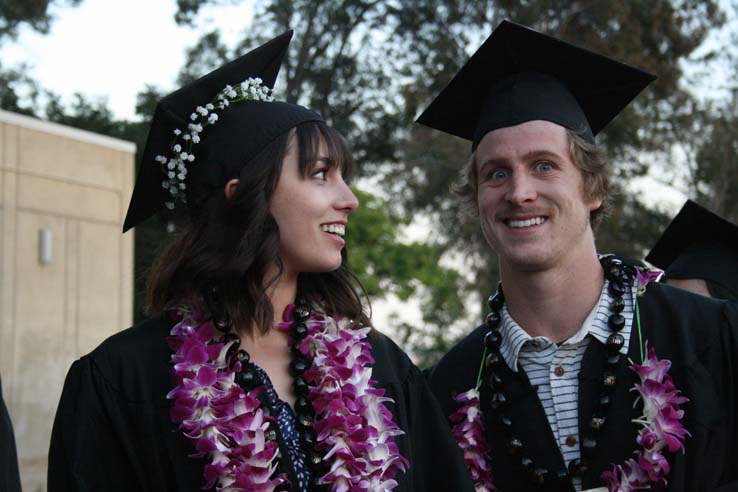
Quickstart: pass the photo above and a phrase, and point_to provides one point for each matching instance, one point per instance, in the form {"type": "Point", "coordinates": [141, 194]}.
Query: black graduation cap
{"type": "Point", "coordinates": [242, 130]}
{"type": "Point", "coordinates": [520, 75]}
{"type": "Point", "coordinates": [699, 244]}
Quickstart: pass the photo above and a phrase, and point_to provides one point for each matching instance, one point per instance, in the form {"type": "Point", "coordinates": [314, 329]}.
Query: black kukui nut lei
{"type": "Point", "coordinates": [619, 276]}
{"type": "Point", "coordinates": [248, 380]}
{"type": "Point", "coordinates": [305, 413]}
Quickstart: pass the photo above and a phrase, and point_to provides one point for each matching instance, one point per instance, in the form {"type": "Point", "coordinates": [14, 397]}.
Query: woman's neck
{"type": "Point", "coordinates": [281, 293]}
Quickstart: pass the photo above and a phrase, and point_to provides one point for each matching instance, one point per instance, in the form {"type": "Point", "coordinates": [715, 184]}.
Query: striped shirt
{"type": "Point", "coordinates": [553, 370]}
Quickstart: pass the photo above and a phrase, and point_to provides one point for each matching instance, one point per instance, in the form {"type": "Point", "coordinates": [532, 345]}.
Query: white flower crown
{"type": "Point", "coordinates": [174, 168]}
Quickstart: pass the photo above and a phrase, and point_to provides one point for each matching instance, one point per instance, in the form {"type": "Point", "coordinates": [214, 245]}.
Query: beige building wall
{"type": "Point", "coordinates": [74, 186]}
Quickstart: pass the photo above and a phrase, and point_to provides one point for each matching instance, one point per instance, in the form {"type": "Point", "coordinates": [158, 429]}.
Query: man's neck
{"type": "Point", "coordinates": [553, 303]}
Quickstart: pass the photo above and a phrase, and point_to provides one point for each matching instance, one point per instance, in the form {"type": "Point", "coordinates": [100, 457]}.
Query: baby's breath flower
{"type": "Point", "coordinates": [249, 89]}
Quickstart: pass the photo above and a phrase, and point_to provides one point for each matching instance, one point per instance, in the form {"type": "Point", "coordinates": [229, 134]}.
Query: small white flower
{"type": "Point", "coordinates": [180, 166]}
{"type": "Point", "coordinates": [177, 148]}
{"type": "Point", "coordinates": [231, 93]}
{"type": "Point", "coordinates": [258, 80]}
{"type": "Point", "coordinates": [177, 131]}
{"type": "Point", "coordinates": [171, 165]}
{"type": "Point", "coordinates": [191, 157]}
{"type": "Point", "coordinates": [173, 190]}
{"type": "Point", "coordinates": [195, 138]}
{"type": "Point", "coordinates": [225, 103]}
{"type": "Point", "coordinates": [181, 177]}
{"type": "Point", "coordinates": [183, 156]}
{"type": "Point", "coordinates": [171, 174]}
{"type": "Point", "coordinates": [186, 136]}
{"type": "Point", "coordinates": [212, 118]}
{"type": "Point", "coordinates": [193, 116]}
{"type": "Point", "coordinates": [161, 159]}
{"type": "Point", "coordinates": [170, 205]}
{"type": "Point", "coordinates": [209, 106]}
{"type": "Point", "coordinates": [201, 110]}
{"type": "Point", "coordinates": [165, 184]}
{"type": "Point", "coordinates": [182, 186]}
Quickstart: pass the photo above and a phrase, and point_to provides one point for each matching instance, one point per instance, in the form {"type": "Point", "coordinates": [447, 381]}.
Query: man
{"type": "Point", "coordinates": [698, 251]}
{"type": "Point", "coordinates": [556, 396]}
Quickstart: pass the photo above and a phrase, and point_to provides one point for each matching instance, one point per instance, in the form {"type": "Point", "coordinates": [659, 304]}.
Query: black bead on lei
{"type": "Point", "coordinates": [620, 277]}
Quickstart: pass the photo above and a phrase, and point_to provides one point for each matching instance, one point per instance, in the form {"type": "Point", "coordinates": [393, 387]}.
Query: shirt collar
{"type": "Point", "coordinates": [514, 337]}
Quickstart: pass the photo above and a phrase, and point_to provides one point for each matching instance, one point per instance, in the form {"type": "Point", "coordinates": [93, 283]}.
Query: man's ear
{"type": "Point", "coordinates": [230, 188]}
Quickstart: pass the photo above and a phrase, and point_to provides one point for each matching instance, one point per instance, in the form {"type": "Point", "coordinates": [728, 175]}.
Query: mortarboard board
{"type": "Point", "coordinates": [698, 244]}
{"type": "Point", "coordinates": [520, 75]}
{"type": "Point", "coordinates": [240, 128]}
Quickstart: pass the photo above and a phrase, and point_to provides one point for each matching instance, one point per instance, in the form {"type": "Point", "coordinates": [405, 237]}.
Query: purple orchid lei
{"type": "Point", "coordinates": [354, 427]}
{"type": "Point", "coordinates": [661, 428]}
{"type": "Point", "coordinates": [224, 422]}
{"type": "Point", "coordinates": [468, 430]}
{"type": "Point", "coordinates": [227, 424]}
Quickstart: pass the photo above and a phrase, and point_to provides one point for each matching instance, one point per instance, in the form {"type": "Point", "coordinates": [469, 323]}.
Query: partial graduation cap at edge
{"type": "Point", "coordinates": [521, 75]}
{"type": "Point", "coordinates": [242, 131]}
{"type": "Point", "coordinates": [698, 244]}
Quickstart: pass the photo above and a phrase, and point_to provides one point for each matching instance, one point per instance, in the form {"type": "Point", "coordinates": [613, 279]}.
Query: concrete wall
{"type": "Point", "coordinates": [77, 185]}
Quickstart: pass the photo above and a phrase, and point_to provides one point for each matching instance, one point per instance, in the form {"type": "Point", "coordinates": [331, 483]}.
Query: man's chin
{"type": "Point", "coordinates": [526, 262]}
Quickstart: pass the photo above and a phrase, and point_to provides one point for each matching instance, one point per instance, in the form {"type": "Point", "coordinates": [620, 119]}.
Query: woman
{"type": "Point", "coordinates": [251, 318]}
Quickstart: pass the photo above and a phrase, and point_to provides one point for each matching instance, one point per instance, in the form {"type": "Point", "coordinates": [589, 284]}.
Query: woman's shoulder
{"type": "Point", "coordinates": [391, 363]}
{"type": "Point", "coordinates": [134, 362]}
{"type": "Point", "coordinates": [144, 339]}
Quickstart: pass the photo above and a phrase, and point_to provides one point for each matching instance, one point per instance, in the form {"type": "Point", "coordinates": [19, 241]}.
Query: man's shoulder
{"type": "Point", "coordinates": [673, 316]}
{"type": "Point", "coordinates": [457, 370]}
{"type": "Point", "coordinates": [671, 301]}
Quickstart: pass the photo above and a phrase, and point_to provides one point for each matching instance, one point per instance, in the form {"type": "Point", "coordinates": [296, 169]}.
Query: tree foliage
{"type": "Point", "coordinates": [369, 66]}
{"type": "Point", "coordinates": [34, 13]}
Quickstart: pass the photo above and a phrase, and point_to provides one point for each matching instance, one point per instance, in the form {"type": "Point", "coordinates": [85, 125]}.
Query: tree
{"type": "Point", "coordinates": [369, 66]}
{"type": "Point", "coordinates": [34, 13]}
{"type": "Point", "coordinates": [18, 92]}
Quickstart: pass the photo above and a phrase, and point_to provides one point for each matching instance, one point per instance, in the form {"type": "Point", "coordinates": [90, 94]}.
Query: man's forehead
{"type": "Point", "coordinates": [536, 136]}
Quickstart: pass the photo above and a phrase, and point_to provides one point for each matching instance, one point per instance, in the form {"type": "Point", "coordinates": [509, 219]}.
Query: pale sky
{"type": "Point", "coordinates": [112, 49]}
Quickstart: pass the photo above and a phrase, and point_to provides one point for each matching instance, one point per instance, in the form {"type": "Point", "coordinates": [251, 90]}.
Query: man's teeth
{"type": "Point", "coordinates": [526, 223]}
{"type": "Point", "coordinates": [338, 229]}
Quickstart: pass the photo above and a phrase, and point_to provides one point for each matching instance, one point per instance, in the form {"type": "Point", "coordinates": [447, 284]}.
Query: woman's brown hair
{"type": "Point", "coordinates": [229, 246]}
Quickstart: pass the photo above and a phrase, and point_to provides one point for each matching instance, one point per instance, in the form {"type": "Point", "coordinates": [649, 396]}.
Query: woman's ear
{"type": "Point", "coordinates": [230, 188]}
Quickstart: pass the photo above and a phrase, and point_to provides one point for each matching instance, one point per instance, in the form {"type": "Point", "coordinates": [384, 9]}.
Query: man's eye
{"type": "Point", "coordinates": [544, 167]}
{"type": "Point", "coordinates": [498, 174]}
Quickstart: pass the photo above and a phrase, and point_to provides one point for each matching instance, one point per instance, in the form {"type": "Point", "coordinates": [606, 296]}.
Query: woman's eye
{"type": "Point", "coordinates": [544, 167]}
{"type": "Point", "coordinates": [320, 174]}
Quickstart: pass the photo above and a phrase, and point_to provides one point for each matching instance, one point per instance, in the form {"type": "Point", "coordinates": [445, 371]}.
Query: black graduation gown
{"type": "Point", "coordinates": [113, 431]}
{"type": "Point", "coordinates": [9, 478]}
{"type": "Point", "coordinates": [700, 337]}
